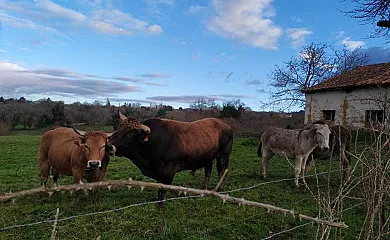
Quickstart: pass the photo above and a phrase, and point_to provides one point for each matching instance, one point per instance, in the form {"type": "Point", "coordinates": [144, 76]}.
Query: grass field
{"type": "Point", "coordinates": [196, 218]}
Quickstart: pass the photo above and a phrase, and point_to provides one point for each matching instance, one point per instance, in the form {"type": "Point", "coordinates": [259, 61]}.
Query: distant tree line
{"type": "Point", "coordinates": [22, 113]}
{"type": "Point", "coordinates": [229, 109]}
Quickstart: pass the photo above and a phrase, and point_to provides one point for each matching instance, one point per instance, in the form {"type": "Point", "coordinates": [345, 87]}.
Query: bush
{"type": "Point", "coordinates": [4, 129]}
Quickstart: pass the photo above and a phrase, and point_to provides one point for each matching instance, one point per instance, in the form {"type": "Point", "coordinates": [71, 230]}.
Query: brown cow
{"type": "Point", "coordinates": [161, 147]}
{"type": "Point", "coordinates": [74, 153]}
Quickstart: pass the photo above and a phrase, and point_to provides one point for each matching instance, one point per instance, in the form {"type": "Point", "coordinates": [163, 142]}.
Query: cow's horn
{"type": "Point", "coordinates": [110, 134]}
{"type": "Point", "coordinates": [79, 132]}
{"type": "Point", "coordinates": [121, 116]}
{"type": "Point", "coordinates": [145, 128]}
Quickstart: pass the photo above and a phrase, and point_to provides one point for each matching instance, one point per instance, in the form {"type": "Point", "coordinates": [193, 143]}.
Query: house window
{"type": "Point", "coordinates": [376, 116]}
{"type": "Point", "coordinates": [329, 115]}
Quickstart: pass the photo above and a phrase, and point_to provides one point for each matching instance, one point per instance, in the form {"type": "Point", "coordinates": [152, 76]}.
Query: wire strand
{"type": "Point", "coordinates": [152, 202]}
{"type": "Point", "coordinates": [285, 231]}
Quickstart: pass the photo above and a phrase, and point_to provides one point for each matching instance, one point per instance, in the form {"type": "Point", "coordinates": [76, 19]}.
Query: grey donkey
{"type": "Point", "coordinates": [294, 144]}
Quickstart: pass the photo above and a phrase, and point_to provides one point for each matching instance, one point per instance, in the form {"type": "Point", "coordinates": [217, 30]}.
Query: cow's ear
{"type": "Point", "coordinates": [79, 141]}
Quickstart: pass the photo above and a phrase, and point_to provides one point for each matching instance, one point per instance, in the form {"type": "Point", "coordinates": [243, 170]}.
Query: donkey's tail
{"type": "Point", "coordinates": [259, 150]}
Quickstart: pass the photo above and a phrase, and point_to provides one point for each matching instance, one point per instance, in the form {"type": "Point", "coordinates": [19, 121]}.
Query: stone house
{"type": "Point", "coordinates": [354, 99]}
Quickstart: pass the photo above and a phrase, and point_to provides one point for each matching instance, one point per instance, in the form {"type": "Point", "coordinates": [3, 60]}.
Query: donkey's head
{"type": "Point", "coordinates": [321, 135]}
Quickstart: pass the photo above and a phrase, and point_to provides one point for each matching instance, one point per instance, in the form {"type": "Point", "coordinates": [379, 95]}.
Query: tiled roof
{"type": "Point", "coordinates": [363, 76]}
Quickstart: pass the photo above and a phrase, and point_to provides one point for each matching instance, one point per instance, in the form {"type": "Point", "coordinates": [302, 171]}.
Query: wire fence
{"type": "Point", "coordinates": [198, 193]}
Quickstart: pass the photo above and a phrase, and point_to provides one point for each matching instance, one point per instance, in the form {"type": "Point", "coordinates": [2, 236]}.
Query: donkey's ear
{"type": "Point", "coordinates": [313, 132]}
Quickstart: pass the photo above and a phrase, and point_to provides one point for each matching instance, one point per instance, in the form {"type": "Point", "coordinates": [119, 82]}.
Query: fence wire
{"type": "Point", "coordinates": [285, 231]}
{"type": "Point", "coordinates": [151, 202]}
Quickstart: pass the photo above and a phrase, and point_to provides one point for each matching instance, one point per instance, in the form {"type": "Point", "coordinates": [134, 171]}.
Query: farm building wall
{"type": "Point", "coordinates": [348, 109]}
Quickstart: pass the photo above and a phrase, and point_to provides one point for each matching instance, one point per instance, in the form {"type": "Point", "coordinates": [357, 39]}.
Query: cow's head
{"type": "Point", "coordinates": [95, 145]}
{"type": "Point", "coordinates": [322, 132]}
{"type": "Point", "coordinates": [130, 132]}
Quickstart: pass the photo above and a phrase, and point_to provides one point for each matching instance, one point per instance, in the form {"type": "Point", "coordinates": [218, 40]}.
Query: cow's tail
{"type": "Point", "coordinates": [259, 150]}
{"type": "Point", "coordinates": [43, 163]}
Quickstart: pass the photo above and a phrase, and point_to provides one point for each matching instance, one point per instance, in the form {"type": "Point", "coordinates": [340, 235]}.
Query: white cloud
{"type": "Point", "coordinates": [350, 44]}
{"type": "Point", "coordinates": [55, 10]}
{"type": "Point", "coordinates": [126, 20]}
{"type": "Point", "coordinates": [196, 56]}
{"type": "Point", "coordinates": [156, 2]}
{"type": "Point", "coordinates": [223, 57]}
{"type": "Point", "coordinates": [180, 42]}
{"type": "Point", "coordinates": [297, 19]}
{"type": "Point", "coordinates": [16, 22]}
{"type": "Point", "coordinates": [18, 80]}
{"type": "Point", "coordinates": [196, 9]}
{"type": "Point", "coordinates": [3, 51]}
{"type": "Point", "coordinates": [99, 19]}
{"type": "Point", "coordinates": [193, 98]}
{"type": "Point", "coordinates": [156, 8]}
{"type": "Point", "coordinates": [153, 75]}
{"type": "Point", "coordinates": [155, 29]}
{"type": "Point", "coordinates": [247, 21]}
{"type": "Point", "coordinates": [24, 49]}
{"type": "Point", "coordinates": [297, 36]}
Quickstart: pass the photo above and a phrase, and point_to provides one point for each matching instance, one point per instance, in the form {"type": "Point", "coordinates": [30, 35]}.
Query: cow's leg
{"type": "Point", "coordinates": [298, 168]}
{"type": "Point", "coordinates": [56, 175]}
{"type": "Point", "coordinates": [77, 179]}
{"type": "Point", "coordinates": [44, 168]}
{"type": "Point", "coordinates": [207, 173]}
{"type": "Point", "coordinates": [222, 166]}
{"type": "Point", "coordinates": [95, 176]}
{"type": "Point", "coordinates": [223, 159]}
{"type": "Point", "coordinates": [166, 179]}
{"type": "Point", "coordinates": [267, 155]}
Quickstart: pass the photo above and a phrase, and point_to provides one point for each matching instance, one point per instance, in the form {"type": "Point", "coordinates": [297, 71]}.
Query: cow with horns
{"type": "Point", "coordinates": [161, 147]}
{"type": "Point", "coordinates": [74, 153]}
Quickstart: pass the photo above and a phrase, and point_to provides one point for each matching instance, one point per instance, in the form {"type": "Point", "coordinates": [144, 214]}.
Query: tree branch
{"type": "Point", "coordinates": [185, 190]}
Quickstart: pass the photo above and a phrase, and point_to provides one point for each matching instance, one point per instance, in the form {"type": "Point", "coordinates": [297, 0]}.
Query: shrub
{"type": "Point", "coordinates": [4, 129]}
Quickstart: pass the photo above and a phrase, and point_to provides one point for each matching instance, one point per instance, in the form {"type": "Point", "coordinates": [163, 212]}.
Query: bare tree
{"type": "Point", "coordinates": [204, 104]}
{"type": "Point", "coordinates": [373, 12]}
{"type": "Point", "coordinates": [345, 59]}
{"type": "Point", "coordinates": [315, 63]}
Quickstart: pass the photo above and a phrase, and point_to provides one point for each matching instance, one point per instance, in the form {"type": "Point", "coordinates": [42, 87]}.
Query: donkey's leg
{"type": "Point", "coordinates": [309, 163]}
{"type": "Point", "coordinates": [298, 168]}
{"type": "Point", "coordinates": [303, 167]}
{"type": "Point", "coordinates": [267, 155]}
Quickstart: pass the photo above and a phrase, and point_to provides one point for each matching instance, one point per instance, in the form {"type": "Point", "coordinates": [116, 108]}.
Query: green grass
{"type": "Point", "coordinates": [197, 218]}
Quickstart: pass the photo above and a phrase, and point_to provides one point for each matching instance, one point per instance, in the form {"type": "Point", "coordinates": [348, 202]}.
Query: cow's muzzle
{"type": "Point", "coordinates": [94, 164]}
{"type": "Point", "coordinates": [324, 149]}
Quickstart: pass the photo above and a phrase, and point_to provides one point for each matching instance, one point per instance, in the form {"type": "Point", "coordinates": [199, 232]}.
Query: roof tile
{"type": "Point", "coordinates": [362, 76]}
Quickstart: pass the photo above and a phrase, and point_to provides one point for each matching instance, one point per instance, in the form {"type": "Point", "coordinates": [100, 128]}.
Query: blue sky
{"type": "Point", "coordinates": [164, 51]}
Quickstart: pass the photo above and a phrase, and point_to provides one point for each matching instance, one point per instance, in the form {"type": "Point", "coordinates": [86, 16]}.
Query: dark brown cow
{"type": "Point", "coordinates": [340, 144]}
{"type": "Point", "coordinates": [160, 147]}
{"type": "Point", "coordinates": [74, 153]}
